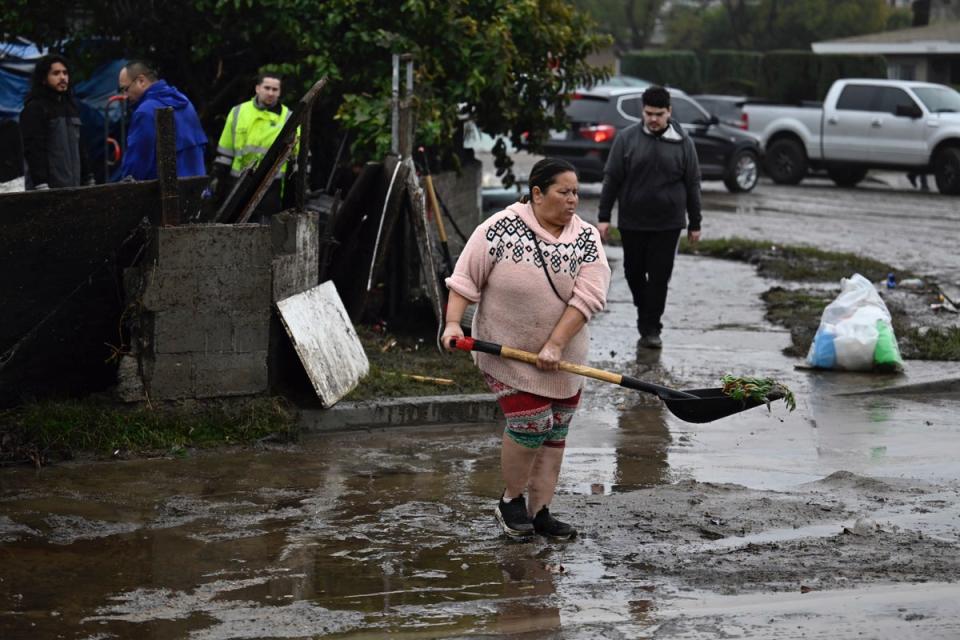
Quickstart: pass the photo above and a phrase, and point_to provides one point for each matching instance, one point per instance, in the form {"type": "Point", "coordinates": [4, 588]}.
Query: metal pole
{"type": "Point", "coordinates": [406, 110]}
{"type": "Point", "coordinates": [395, 107]}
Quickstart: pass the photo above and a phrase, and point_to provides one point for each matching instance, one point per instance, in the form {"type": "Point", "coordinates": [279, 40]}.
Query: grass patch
{"type": "Point", "coordinates": [38, 432]}
{"type": "Point", "coordinates": [791, 262]}
{"type": "Point", "coordinates": [395, 357]}
{"type": "Point", "coordinates": [799, 310]}
{"type": "Point", "coordinates": [931, 344]}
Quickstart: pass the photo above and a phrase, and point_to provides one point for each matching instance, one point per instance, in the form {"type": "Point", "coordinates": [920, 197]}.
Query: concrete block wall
{"type": "Point", "coordinates": [462, 194]}
{"type": "Point", "coordinates": [205, 295]}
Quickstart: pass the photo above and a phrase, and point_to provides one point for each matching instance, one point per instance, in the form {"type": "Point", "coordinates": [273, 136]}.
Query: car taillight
{"type": "Point", "coordinates": [598, 132]}
{"type": "Point", "coordinates": [744, 120]}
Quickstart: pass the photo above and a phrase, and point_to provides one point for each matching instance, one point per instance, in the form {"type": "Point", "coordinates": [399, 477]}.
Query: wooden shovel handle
{"type": "Point", "coordinates": [470, 344]}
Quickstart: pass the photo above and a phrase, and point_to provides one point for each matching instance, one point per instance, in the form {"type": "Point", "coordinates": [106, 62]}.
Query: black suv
{"type": "Point", "coordinates": [596, 115]}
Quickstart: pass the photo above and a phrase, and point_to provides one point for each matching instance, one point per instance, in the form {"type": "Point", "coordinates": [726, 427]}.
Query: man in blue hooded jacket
{"type": "Point", "coordinates": [146, 92]}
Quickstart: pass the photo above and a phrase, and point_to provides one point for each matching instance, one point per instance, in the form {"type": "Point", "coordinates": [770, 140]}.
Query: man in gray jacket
{"type": "Point", "coordinates": [654, 176]}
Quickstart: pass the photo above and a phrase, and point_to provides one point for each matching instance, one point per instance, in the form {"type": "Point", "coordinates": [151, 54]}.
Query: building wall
{"type": "Point", "coordinates": [462, 195]}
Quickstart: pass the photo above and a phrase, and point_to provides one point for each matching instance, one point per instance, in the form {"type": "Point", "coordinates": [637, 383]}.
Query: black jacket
{"type": "Point", "coordinates": [654, 179]}
{"type": "Point", "coordinates": [52, 151]}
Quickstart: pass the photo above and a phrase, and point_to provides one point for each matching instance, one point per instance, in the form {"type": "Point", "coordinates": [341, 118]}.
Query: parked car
{"type": "Point", "coordinates": [595, 116]}
{"type": "Point", "coordinates": [729, 109]}
{"type": "Point", "coordinates": [864, 124]}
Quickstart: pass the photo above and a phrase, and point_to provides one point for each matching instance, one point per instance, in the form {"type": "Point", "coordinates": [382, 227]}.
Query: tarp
{"type": "Point", "coordinates": [13, 89]}
{"type": "Point", "coordinates": [19, 56]}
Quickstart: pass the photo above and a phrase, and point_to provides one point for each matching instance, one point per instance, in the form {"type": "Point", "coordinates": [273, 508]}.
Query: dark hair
{"type": "Point", "coordinates": [42, 68]}
{"type": "Point", "coordinates": [141, 68]}
{"type": "Point", "coordinates": [544, 174]}
{"type": "Point", "coordinates": [656, 96]}
{"type": "Point", "coordinates": [266, 74]}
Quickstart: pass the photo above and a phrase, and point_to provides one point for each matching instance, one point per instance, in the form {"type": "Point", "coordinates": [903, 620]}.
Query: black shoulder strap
{"type": "Point", "coordinates": [543, 262]}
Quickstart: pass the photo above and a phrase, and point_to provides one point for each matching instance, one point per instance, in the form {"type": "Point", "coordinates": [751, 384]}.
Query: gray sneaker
{"type": "Point", "coordinates": [651, 341]}
{"type": "Point", "coordinates": [513, 517]}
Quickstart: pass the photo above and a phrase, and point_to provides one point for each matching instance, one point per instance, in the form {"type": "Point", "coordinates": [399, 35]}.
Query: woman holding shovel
{"type": "Point", "coordinates": [539, 273]}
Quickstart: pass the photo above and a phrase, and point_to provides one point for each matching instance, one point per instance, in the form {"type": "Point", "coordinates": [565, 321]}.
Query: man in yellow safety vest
{"type": "Point", "coordinates": [250, 129]}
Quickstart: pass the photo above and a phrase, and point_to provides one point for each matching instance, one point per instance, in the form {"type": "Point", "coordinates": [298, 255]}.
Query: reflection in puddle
{"type": "Point", "coordinates": [348, 534]}
{"type": "Point", "coordinates": [524, 607]}
{"type": "Point", "coordinates": [632, 455]}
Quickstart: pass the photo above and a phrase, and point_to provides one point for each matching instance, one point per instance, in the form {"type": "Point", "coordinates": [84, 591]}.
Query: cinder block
{"type": "Point", "coordinates": [283, 233]}
{"type": "Point", "coordinates": [219, 331]}
{"type": "Point", "coordinates": [169, 376]}
{"type": "Point", "coordinates": [169, 288]}
{"type": "Point", "coordinates": [211, 245]}
{"type": "Point", "coordinates": [252, 331]}
{"type": "Point", "coordinates": [233, 374]}
{"type": "Point", "coordinates": [235, 287]}
{"type": "Point", "coordinates": [295, 259]}
{"type": "Point", "coordinates": [178, 331]}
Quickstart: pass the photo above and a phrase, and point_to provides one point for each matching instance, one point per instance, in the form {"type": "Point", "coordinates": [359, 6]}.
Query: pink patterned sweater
{"type": "Point", "coordinates": [501, 270]}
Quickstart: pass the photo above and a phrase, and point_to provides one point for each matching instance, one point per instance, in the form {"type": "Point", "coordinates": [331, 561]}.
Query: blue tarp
{"type": "Point", "coordinates": [19, 56]}
{"type": "Point", "coordinates": [13, 89]}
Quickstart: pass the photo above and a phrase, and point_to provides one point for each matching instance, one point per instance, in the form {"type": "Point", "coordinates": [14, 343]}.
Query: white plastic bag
{"type": "Point", "coordinates": [850, 328]}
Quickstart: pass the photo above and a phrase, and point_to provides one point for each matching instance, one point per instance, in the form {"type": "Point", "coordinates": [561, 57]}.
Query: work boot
{"type": "Point", "coordinates": [651, 341]}
{"type": "Point", "coordinates": [513, 517]}
{"type": "Point", "coordinates": [546, 525]}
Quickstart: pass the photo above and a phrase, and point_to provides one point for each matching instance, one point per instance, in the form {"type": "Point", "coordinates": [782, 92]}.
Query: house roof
{"type": "Point", "coordinates": [940, 38]}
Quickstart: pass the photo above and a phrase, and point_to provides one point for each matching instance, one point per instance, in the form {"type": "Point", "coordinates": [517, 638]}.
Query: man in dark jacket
{"type": "Point", "coordinates": [654, 175]}
{"type": "Point", "coordinates": [146, 93]}
{"type": "Point", "coordinates": [53, 154]}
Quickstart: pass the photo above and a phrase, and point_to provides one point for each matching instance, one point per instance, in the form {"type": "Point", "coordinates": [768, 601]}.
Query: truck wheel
{"type": "Point", "coordinates": [846, 176]}
{"type": "Point", "coordinates": [743, 171]}
{"type": "Point", "coordinates": [786, 161]}
{"type": "Point", "coordinates": [946, 170]}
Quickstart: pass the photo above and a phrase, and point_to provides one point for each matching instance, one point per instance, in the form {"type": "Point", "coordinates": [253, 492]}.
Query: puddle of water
{"type": "Point", "coordinates": [353, 534]}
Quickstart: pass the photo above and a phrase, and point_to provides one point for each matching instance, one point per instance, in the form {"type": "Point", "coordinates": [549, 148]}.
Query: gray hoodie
{"type": "Point", "coordinates": [655, 180]}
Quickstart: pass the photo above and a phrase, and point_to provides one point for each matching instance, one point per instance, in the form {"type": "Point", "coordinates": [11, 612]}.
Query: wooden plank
{"type": "Point", "coordinates": [325, 341]}
{"type": "Point", "coordinates": [417, 209]}
{"type": "Point", "coordinates": [167, 166]}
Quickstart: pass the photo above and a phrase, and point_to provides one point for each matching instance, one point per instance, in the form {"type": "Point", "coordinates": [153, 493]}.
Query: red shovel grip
{"type": "Point", "coordinates": [464, 344]}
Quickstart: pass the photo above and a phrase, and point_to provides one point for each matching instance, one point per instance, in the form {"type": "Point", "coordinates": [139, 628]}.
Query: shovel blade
{"type": "Point", "coordinates": [709, 405]}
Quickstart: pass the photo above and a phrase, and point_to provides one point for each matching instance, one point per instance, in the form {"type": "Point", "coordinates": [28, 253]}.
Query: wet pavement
{"type": "Point", "coordinates": [838, 520]}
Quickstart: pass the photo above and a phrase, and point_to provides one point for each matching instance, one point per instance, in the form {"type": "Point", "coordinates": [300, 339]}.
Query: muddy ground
{"type": "Point", "coordinates": [304, 542]}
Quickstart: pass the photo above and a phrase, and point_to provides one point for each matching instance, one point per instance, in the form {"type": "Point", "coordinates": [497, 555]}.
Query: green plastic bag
{"type": "Point", "coordinates": [886, 355]}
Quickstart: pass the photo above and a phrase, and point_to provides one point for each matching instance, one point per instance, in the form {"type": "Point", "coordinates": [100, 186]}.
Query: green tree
{"type": "Point", "coordinates": [631, 23]}
{"type": "Point", "coordinates": [508, 64]}
{"type": "Point", "coordinates": [778, 24]}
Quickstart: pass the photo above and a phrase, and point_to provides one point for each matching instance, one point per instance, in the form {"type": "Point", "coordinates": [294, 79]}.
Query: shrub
{"type": "Point", "coordinates": [680, 69]}
{"type": "Point", "coordinates": [730, 71]}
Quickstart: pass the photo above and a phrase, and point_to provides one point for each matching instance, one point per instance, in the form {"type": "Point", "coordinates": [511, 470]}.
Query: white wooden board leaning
{"type": "Point", "coordinates": [325, 341]}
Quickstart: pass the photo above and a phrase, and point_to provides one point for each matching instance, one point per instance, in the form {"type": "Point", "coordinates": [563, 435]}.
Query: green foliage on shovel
{"type": "Point", "coordinates": [763, 390]}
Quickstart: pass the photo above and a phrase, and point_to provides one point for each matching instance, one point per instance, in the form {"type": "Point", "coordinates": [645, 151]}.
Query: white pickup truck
{"type": "Point", "coordinates": [864, 124]}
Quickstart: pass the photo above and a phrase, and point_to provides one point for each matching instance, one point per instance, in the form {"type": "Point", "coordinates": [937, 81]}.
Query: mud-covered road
{"type": "Point", "coordinates": [839, 520]}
